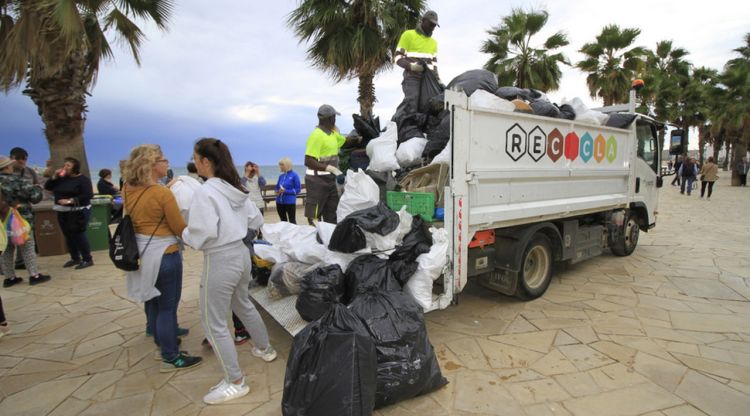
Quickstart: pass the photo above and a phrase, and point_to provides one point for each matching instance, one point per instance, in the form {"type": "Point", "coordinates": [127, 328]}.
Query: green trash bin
{"type": "Point", "coordinates": [98, 230]}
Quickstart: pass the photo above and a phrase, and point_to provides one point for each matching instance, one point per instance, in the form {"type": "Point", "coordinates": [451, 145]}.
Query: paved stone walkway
{"type": "Point", "coordinates": [663, 332]}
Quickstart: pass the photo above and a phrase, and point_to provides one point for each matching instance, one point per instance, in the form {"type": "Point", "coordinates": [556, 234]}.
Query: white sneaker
{"type": "Point", "coordinates": [224, 392]}
{"type": "Point", "coordinates": [267, 355]}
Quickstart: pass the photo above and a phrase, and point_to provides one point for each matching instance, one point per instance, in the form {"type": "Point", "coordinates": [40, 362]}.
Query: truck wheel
{"type": "Point", "coordinates": [625, 244]}
{"type": "Point", "coordinates": [536, 268]}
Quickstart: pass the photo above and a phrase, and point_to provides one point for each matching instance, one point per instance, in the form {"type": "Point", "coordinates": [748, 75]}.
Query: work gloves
{"type": "Point", "coordinates": [333, 169]}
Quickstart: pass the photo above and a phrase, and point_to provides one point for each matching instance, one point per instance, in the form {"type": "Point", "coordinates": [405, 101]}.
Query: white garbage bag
{"type": "Point", "coordinates": [409, 153]}
{"type": "Point", "coordinates": [183, 190]}
{"type": "Point", "coordinates": [382, 151]}
{"type": "Point", "coordinates": [444, 156]}
{"type": "Point", "coordinates": [430, 267]}
{"type": "Point", "coordinates": [296, 241]}
{"type": "Point", "coordinates": [584, 114]}
{"type": "Point", "coordinates": [270, 253]}
{"type": "Point", "coordinates": [488, 100]}
{"type": "Point", "coordinates": [387, 243]}
{"type": "Point", "coordinates": [325, 231]}
{"type": "Point", "coordinates": [360, 192]}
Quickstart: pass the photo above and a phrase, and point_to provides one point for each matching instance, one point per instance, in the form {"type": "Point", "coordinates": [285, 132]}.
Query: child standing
{"type": "Point", "coordinates": [220, 215]}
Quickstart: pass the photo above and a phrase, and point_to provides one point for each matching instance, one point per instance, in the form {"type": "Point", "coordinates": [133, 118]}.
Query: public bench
{"type": "Point", "coordinates": [269, 194]}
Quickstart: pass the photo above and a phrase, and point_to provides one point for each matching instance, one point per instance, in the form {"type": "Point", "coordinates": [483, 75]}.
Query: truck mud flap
{"type": "Point", "coordinates": [500, 280]}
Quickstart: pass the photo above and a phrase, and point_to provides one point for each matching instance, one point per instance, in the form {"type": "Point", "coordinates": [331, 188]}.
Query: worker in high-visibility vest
{"type": "Point", "coordinates": [415, 52]}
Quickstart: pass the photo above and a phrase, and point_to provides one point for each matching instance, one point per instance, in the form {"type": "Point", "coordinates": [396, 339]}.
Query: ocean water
{"type": "Point", "coordinates": [270, 172]}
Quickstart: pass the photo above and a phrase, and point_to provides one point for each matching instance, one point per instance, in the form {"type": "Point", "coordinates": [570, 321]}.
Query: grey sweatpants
{"type": "Point", "coordinates": [27, 253]}
{"type": "Point", "coordinates": [224, 289]}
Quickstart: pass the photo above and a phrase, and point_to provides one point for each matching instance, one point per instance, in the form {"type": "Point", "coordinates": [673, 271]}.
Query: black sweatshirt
{"type": "Point", "coordinates": [76, 187]}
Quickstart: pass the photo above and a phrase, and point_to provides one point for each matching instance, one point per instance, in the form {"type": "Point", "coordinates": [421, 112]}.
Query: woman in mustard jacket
{"type": "Point", "coordinates": [708, 175]}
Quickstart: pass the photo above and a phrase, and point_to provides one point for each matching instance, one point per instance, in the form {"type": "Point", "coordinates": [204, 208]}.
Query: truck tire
{"type": "Point", "coordinates": [628, 239]}
{"type": "Point", "coordinates": [536, 268]}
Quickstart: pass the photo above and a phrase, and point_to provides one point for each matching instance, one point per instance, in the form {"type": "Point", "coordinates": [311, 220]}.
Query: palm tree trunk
{"type": "Point", "coordinates": [61, 102]}
{"type": "Point", "coordinates": [701, 143]}
{"type": "Point", "coordinates": [366, 97]}
{"type": "Point", "coordinates": [717, 148]}
{"type": "Point", "coordinates": [740, 149]}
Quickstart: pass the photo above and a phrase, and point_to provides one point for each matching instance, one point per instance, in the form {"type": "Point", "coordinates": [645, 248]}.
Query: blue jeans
{"type": "Point", "coordinates": [161, 311]}
{"type": "Point", "coordinates": [687, 181]}
{"type": "Point", "coordinates": [78, 243]}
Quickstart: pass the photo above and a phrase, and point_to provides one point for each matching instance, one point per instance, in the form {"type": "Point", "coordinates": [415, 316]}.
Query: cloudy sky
{"type": "Point", "coordinates": [233, 70]}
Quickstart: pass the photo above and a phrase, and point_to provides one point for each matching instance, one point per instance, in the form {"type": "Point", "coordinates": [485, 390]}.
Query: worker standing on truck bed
{"type": "Point", "coordinates": [415, 52]}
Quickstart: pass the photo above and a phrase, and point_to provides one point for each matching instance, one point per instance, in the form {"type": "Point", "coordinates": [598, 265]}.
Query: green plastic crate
{"type": "Point", "coordinates": [422, 203]}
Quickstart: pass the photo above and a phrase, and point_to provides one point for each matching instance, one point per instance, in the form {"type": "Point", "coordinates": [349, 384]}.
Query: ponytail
{"type": "Point", "coordinates": [218, 153]}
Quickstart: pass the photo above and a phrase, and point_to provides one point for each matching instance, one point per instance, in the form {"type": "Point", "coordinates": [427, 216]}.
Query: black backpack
{"type": "Point", "coordinates": [123, 246]}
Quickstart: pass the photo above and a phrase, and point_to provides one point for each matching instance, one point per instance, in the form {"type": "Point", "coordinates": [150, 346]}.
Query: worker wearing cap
{"type": "Point", "coordinates": [322, 162]}
{"type": "Point", "coordinates": [415, 52]}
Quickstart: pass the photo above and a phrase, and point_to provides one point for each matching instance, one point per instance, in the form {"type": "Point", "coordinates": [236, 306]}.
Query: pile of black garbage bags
{"type": "Point", "coordinates": [366, 346]}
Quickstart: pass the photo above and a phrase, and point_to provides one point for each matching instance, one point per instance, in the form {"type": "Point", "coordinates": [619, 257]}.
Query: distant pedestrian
{"type": "Point", "coordinates": [688, 172]}
{"type": "Point", "coordinates": [73, 193]}
{"type": "Point", "coordinates": [19, 193]}
{"type": "Point", "coordinates": [105, 185]}
{"type": "Point", "coordinates": [287, 188]}
{"type": "Point", "coordinates": [708, 175]}
{"type": "Point", "coordinates": [221, 215]}
{"type": "Point", "coordinates": [254, 182]}
{"type": "Point", "coordinates": [742, 168]}
{"type": "Point", "coordinates": [677, 165]}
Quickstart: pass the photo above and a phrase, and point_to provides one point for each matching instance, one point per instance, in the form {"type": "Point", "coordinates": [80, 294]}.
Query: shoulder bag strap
{"type": "Point", "coordinates": [152, 235]}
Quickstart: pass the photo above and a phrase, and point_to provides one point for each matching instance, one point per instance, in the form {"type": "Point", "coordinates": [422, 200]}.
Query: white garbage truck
{"type": "Point", "coordinates": [524, 192]}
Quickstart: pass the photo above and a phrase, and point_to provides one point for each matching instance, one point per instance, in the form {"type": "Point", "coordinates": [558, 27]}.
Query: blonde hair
{"type": "Point", "coordinates": [286, 164]}
{"type": "Point", "coordinates": [140, 164]}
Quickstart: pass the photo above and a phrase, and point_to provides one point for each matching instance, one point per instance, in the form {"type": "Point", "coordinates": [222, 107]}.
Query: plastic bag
{"type": "Point", "coordinates": [428, 89]}
{"type": "Point", "coordinates": [367, 272]}
{"type": "Point", "coordinates": [407, 366]}
{"type": "Point", "coordinates": [403, 261]}
{"type": "Point", "coordinates": [476, 79]}
{"type": "Point", "coordinates": [271, 253]}
{"type": "Point", "coordinates": [382, 151]}
{"type": "Point", "coordinates": [316, 383]}
{"type": "Point", "coordinates": [285, 279]}
{"type": "Point", "coordinates": [444, 156]}
{"type": "Point", "coordinates": [437, 138]}
{"type": "Point", "coordinates": [430, 267]}
{"type": "Point", "coordinates": [488, 100]}
{"type": "Point", "coordinates": [348, 236]}
{"type": "Point", "coordinates": [17, 228]}
{"type": "Point", "coordinates": [360, 192]}
{"type": "Point", "coordinates": [183, 190]}
{"type": "Point", "coordinates": [297, 242]}
{"type": "Point", "coordinates": [409, 153]}
{"type": "Point", "coordinates": [320, 289]}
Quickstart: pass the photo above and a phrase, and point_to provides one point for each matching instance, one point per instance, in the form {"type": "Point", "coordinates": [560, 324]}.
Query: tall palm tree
{"type": "Point", "coordinates": [354, 39]}
{"type": "Point", "coordinates": [610, 66]}
{"type": "Point", "coordinates": [56, 46]}
{"type": "Point", "coordinates": [515, 61]}
{"type": "Point", "coordinates": [664, 73]}
{"type": "Point", "coordinates": [736, 78]}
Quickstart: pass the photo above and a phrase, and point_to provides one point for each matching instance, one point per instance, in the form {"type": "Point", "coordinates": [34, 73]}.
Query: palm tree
{"type": "Point", "coordinates": [736, 78]}
{"type": "Point", "coordinates": [610, 67]}
{"type": "Point", "coordinates": [354, 39]}
{"type": "Point", "coordinates": [56, 46]}
{"type": "Point", "coordinates": [515, 61]}
{"type": "Point", "coordinates": [665, 72]}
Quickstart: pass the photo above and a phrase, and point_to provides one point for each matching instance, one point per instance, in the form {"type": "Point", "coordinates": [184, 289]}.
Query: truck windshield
{"type": "Point", "coordinates": [647, 144]}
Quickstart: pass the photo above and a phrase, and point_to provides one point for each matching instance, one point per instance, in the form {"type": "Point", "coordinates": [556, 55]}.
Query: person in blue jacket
{"type": "Point", "coordinates": [287, 188]}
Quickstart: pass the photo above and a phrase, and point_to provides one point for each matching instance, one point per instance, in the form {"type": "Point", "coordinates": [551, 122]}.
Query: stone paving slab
{"type": "Point", "coordinates": [664, 332]}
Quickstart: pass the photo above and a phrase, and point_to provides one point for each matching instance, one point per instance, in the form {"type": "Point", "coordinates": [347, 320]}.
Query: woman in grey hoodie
{"type": "Point", "coordinates": [220, 215]}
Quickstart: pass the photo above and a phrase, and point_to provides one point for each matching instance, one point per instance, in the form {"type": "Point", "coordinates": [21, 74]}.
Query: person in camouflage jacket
{"type": "Point", "coordinates": [20, 194]}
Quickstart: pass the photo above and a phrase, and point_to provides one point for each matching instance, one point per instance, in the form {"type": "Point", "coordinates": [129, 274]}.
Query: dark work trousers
{"type": "Point", "coordinates": [78, 243]}
{"type": "Point", "coordinates": [287, 212]}
{"type": "Point", "coordinates": [710, 188]}
{"type": "Point", "coordinates": [410, 85]}
{"type": "Point", "coordinates": [743, 180]}
{"type": "Point", "coordinates": [676, 180]}
{"type": "Point", "coordinates": [322, 197]}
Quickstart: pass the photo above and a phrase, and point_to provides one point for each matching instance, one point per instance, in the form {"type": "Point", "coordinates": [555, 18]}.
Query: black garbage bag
{"type": "Point", "coordinates": [476, 79]}
{"type": "Point", "coordinates": [620, 120]}
{"type": "Point", "coordinates": [545, 108]}
{"type": "Point", "coordinates": [437, 104]}
{"type": "Point", "coordinates": [366, 272]}
{"type": "Point", "coordinates": [365, 128]}
{"type": "Point", "coordinates": [411, 126]}
{"type": "Point", "coordinates": [358, 159]}
{"type": "Point", "coordinates": [332, 368]}
{"type": "Point", "coordinates": [407, 366]}
{"type": "Point", "coordinates": [437, 138]}
{"type": "Point", "coordinates": [428, 89]}
{"type": "Point", "coordinates": [403, 261]}
{"type": "Point", "coordinates": [567, 112]}
{"type": "Point", "coordinates": [320, 289]}
{"type": "Point", "coordinates": [512, 93]}
{"type": "Point", "coordinates": [348, 237]}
